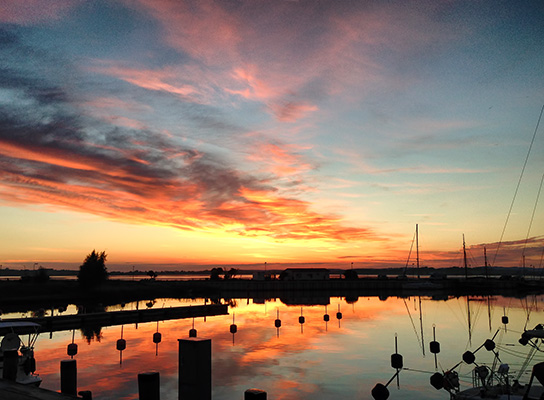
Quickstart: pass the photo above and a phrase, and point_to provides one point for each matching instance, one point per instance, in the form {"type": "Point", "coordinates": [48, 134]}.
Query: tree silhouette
{"type": "Point", "coordinates": [215, 273]}
{"type": "Point", "coordinates": [93, 271]}
{"type": "Point", "coordinates": [231, 273]}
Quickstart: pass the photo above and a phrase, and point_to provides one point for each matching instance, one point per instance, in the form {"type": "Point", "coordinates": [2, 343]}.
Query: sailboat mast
{"type": "Point", "coordinates": [417, 250]}
{"type": "Point", "coordinates": [485, 259]}
{"type": "Point", "coordinates": [465, 257]}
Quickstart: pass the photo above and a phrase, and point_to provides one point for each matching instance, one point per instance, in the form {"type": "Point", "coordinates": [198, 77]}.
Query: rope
{"type": "Point", "coordinates": [517, 187]}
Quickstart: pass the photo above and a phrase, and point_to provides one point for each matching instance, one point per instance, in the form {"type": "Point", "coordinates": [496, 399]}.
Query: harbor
{"type": "Point", "coordinates": [347, 340]}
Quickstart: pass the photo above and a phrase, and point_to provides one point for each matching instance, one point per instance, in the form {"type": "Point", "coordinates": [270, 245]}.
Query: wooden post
{"type": "Point", "coordinates": [149, 387]}
{"type": "Point", "coordinates": [195, 369]}
{"type": "Point", "coordinates": [254, 394]}
{"type": "Point", "coordinates": [11, 361]}
{"type": "Point", "coordinates": [68, 377]}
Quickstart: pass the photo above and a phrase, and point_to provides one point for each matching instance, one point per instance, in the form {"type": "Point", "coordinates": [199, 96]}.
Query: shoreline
{"type": "Point", "coordinates": [17, 294]}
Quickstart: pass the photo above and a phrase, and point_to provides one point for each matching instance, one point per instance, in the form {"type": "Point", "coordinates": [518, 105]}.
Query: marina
{"type": "Point", "coordinates": [340, 349]}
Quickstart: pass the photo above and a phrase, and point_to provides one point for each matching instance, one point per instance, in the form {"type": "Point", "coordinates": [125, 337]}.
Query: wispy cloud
{"type": "Point", "coordinates": [56, 155]}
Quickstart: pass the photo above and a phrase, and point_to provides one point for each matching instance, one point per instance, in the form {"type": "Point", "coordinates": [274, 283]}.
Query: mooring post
{"type": "Point", "coordinates": [254, 394]}
{"type": "Point", "coordinates": [11, 361]}
{"type": "Point", "coordinates": [195, 369]}
{"type": "Point", "coordinates": [149, 386]}
{"type": "Point", "coordinates": [68, 377]}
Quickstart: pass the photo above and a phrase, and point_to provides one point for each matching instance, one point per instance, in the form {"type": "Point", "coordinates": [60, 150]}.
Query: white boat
{"type": "Point", "coordinates": [14, 350]}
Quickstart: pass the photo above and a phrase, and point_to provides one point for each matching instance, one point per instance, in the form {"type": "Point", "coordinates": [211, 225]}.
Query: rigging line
{"type": "Point", "coordinates": [412, 321]}
{"type": "Point", "coordinates": [526, 362]}
{"type": "Point", "coordinates": [517, 187]}
{"type": "Point", "coordinates": [533, 215]}
{"type": "Point", "coordinates": [410, 253]}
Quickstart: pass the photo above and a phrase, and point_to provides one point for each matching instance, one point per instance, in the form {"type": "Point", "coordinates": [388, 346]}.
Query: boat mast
{"type": "Point", "coordinates": [465, 257]}
{"type": "Point", "coordinates": [417, 251]}
{"type": "Point", "coordinates": [485, 259]}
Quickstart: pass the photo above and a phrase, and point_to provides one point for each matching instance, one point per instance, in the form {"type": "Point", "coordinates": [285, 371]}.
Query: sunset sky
{"type": "Point", "coordinates": [250, 131]}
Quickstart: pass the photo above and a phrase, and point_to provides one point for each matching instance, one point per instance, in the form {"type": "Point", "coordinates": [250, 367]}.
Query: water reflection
{"type": "Point", "coordinates": [310, 358]}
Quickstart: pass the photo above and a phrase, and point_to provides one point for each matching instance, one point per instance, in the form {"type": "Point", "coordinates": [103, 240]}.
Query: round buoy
{"type": "Point", "coordinates": [504, 319]}
{"type": "Point", "coordinates": [380, 392]}
{"type": "Point", "coordinates": [121, 344]}
{"type": "Point", "coordinates": [192, 332]}
{"type": "Point", "coordinates": [489, 345]}
{"type": "Point", "coordinates": [437, 380]}
{"type": "Point", "coordinates": [72, 349]}
{"type": "Point", "coordinates": [157, 337]}
{"type": "Point", "coordinates": [435, 347]}
{"type": "Point", "coordinates": [277, 323]}
{"type": "Point", "coordinates": [326, 318]}
{"type": "Point", "coordinates": [396, 361]}
{"type": "Point", "coordinates": [301, 320]}
{"type": "Point", "coordinates": [339, 315]}
{"type": "Point", "coordinates": [233, 328]}
{"type": "Point", "coordinates": [469, 357]}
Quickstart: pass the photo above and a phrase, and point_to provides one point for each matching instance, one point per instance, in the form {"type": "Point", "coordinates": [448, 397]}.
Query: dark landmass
{"type": "Point", "coordinates": [412, 271]}
{"type": "Point", "coordinates": [27, 294]}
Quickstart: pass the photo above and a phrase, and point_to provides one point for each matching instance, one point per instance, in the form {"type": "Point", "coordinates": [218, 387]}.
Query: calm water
{"type": "Point", "coordinates": [341, 359]}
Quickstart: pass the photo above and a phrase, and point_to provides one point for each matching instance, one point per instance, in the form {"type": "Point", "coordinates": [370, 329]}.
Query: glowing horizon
{"type": "Point", "coordinates": [167, 132]}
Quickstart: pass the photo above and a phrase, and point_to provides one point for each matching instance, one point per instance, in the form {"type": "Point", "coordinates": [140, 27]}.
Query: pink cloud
{"type": "Point", "coordinates": [166, 80]}
{"type": "Point", "coordinates": [34, 11]}
{"type": "Point", "coordinates": [281, 160]}
{"type": "Point", "coordinates": [288, 111]}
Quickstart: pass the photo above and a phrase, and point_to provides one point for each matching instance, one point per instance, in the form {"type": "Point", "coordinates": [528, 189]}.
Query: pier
{"type": "Point", "coordinates": [76, 321]}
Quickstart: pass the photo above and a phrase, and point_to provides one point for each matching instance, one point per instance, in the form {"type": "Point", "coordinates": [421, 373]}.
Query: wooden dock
{"type": "Point", "coordinates": [77, 321]}
{"type": "Point", "coordinates": [15, 391]}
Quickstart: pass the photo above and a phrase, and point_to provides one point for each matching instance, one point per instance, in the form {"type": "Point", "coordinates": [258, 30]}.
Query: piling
{"type": "Point", "coordinates": [68, 377]}
{"type": "Point", "coordinates": [195, 369]}
{"type": "Point", "coordinates": [11, 361]}
{"type": "Point", "coordinates": [254, 394]}
{"type": "Point", "coordinates": [149, 387]}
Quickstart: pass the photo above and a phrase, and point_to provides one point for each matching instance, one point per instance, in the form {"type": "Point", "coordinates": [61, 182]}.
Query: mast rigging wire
{"type": "Point", "coordinates": [517, 187]}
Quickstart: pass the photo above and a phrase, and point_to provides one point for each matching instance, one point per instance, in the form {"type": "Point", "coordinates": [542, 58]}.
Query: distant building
{"type": "Point", "coordinates": [263, 276]}
{"type": "Point", "coordinates": [305, 274]}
